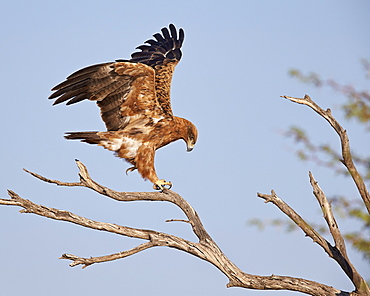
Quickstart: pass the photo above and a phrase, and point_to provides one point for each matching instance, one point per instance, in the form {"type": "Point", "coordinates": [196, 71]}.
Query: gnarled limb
{"type": "Point", "coordinates": [337, 252]}
{"type": "Point", "coordinates": [205, 249]}
{"type": "Point", "coordinates": [346, 151]}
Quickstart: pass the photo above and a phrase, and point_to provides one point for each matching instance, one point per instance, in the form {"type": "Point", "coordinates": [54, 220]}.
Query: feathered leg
{"type": "Point", "coordinates": [145, 165]}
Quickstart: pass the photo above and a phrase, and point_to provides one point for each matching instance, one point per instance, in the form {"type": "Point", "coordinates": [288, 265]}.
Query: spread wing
{"type": "Point", "coordinates": [122, 90]}
{"type": "Point", "coordinates": [162, 53]}
{"type": "Point", "coordinates": [128, 89]}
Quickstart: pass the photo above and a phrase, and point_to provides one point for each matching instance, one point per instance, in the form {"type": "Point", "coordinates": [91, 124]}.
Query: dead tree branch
{"type": "Point", "coordinates": [339, 249]}
{"type": "Point", "coordinates": [337, 252]}
{"type": "Point", "coordinates": [205, 249]}
{"type": "Point", "coordinates": [346, 151]}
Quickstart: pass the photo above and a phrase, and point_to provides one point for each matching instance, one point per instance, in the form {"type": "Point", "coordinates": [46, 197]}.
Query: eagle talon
{"type": "Point", "coordinates": [161, 184]}
{"type": "Point", "coordinates": [131, 169]}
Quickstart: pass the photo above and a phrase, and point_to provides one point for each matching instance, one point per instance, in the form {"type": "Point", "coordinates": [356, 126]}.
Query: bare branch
{"type": "Point", "coordinates": [206, 249]}
{"type": "Point", "coordinates": [89, 261]}
{"type": "Point", "coordinates": [297, 219]}
{"type": "Point", "coordinates": [178, 220]}
{"type": "Point", "coordinates": [53, 181]}
{"type": "Point", "coordinates": [346, 152]}
{"type": "Point", "coordinates": [339, 251]}
{"type": "Point", "coordinates": [166, 195]}
{"type": "Point", "coordinates": [333, 251]}
{"type": "Point", "coordinates": [156, 238]}
{"type": "Point", "coordinates": [328, 216]}
{"type": "Point", "coordinates": [30, 207]}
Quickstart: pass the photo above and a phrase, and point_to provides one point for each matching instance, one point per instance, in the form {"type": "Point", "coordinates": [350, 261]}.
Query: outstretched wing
{"type": "Point", "coordinates": [123, 90]}
{"type": "Point", "coordinates": [127, 88]}
{"type": "Point", "coordinates": [162, 53]}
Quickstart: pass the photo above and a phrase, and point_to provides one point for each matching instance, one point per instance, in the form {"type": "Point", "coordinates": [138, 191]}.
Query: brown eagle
{"type": "Point", "coordinates": [134, 100]}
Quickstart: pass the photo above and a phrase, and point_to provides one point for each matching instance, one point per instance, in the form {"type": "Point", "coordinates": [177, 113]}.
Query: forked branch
{"type": "Point", "coordinates": [338, 251]}
{"type": "Point", "coordinates": [205, 249]}
{"type": "Point", "coordinates": [346, 151]}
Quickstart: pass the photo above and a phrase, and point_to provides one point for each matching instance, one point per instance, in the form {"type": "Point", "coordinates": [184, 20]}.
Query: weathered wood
{"type": "Point", "coordinates": [205, 248]}
{"type": "Point", "coordinates": [345, 147]}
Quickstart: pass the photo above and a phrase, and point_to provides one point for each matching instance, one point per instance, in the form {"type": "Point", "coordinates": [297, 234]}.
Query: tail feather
{"type": "Point", "coordinates": [88, 137]}
{"type": "Point", "coordinates": [108, 140]}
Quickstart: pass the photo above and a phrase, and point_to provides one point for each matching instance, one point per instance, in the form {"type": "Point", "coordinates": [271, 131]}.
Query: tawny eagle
{"type": "Point", "coordinates": [134, 100]}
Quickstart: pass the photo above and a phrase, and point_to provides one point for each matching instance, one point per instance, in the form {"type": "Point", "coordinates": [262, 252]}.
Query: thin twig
{"type": "Point", "coordinates": [328, 215]}
{"type": "Point", "coordinates": [60, 183]}
{"type": "Point", "coordinates": [298, 220]}
{"type": "Point", "coordinates": [177, 220]}
{"type": "Point", "coordinates": [89, 261]}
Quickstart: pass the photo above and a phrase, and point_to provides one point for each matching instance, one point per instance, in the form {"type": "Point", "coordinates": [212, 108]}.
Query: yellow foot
{"type": "Point", "coordinates": [161, 184]}
{"type": "Point", "coordinates": [131, 169]}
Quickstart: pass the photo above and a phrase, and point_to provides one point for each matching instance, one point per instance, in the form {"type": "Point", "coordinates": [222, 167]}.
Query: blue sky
{"type": "Point", "coordinates": [236, 58]}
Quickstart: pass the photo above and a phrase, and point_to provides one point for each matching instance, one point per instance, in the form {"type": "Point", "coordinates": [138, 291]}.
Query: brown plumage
{"type": "Point", "coordinates": [134, 100]}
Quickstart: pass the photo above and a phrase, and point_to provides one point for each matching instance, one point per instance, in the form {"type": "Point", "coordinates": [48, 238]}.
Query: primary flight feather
{"type": "Point", "coordinates": [134, 100]}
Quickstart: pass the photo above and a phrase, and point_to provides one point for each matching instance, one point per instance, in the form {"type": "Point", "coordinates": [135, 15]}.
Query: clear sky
{"type": "Point", "coordinates": [236, 57]}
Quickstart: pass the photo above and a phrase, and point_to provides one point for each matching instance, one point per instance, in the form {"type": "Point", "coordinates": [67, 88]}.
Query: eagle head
{"type": "Point", "coordinates": [191, 136]}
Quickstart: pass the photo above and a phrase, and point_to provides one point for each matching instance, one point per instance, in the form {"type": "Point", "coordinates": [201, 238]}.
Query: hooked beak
{"type": "Point", "coordinates": [189, 147]}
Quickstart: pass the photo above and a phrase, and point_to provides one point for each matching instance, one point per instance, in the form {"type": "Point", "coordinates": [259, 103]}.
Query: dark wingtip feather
{"type": "Point", "coordinates": [77, 99]}
{"type": "Point", "coordinates": [164, 46]}
{"type": "Point", "coordinates": [181, 37]}
{"type": "Point", "coordinates": [165, 33]}
{"type": "Point", "coordinates": [60, 100]}
{"type": "Point", "coordinates": [159, 38]}
{"type": "Point", "coordinates": [173, 31]}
